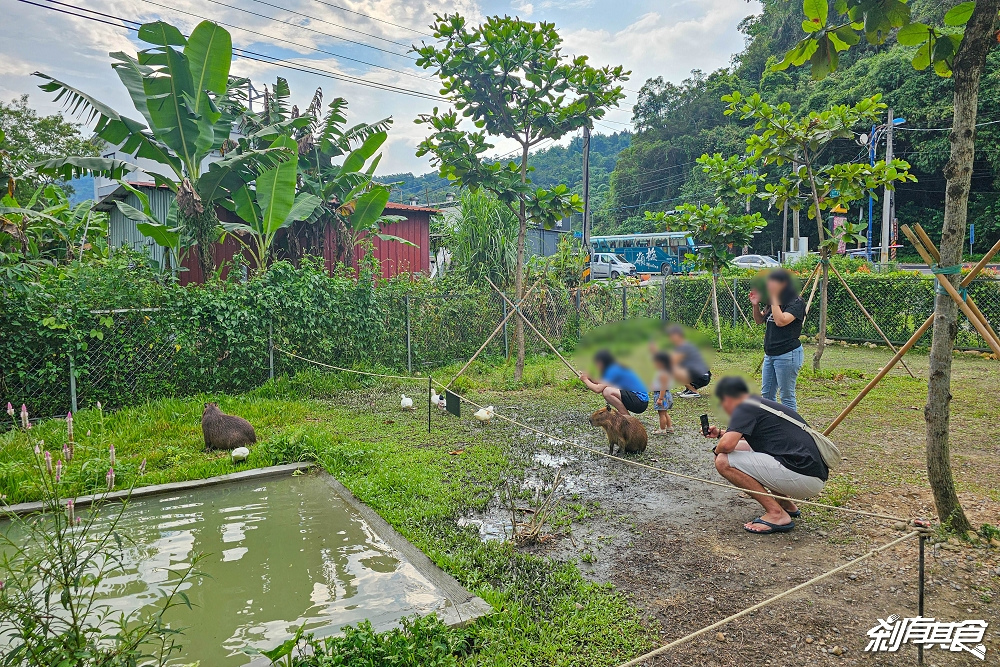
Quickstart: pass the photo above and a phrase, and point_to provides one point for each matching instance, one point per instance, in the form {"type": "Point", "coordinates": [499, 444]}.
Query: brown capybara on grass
{"type": "Point", "coordinates": [626, 432]}
{"type": "Point", "coordinates": [224, 431]}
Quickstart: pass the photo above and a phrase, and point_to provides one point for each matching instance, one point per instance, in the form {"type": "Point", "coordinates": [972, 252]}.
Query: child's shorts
{"type": "Point", "coordinates": [668, 400]}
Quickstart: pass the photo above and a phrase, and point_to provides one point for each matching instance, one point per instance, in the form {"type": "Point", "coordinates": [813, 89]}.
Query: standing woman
{"type": "Point", "coordinates": [783, 354]}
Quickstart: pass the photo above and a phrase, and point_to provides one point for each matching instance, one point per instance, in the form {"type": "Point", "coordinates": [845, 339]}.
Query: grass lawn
{"type": "Point", "coordinates": [547, 612]}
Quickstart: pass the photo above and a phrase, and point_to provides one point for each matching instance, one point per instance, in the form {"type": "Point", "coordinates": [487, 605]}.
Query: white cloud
{"type": "Point", "coordinates": [669, 42]}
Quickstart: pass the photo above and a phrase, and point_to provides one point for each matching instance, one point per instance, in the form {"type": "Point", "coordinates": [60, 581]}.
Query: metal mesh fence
{"type": "Point", "coordinates": [137, 355]}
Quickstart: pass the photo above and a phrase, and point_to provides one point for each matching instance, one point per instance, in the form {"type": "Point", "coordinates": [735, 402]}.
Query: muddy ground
{"type": "Point", "coordinates": [677, 549]}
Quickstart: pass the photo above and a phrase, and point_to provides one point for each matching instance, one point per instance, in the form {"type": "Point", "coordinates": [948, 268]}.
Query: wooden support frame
{"type": "Point", "coordinates": [869, 316]}
{"type": "Point", "coordinates": [972, 275]}
{"type": "Point", "coordinates": [500, 326]}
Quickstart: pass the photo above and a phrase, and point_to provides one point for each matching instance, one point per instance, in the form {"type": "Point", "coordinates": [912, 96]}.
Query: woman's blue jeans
{"type": "Point", "coordinates": [779, 375]}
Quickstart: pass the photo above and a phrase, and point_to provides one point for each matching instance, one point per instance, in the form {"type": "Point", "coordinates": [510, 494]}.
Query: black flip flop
{"type": "Point", "coordinates": [772, 527]}
{"type": "Point", "coordinates": [796, 514]}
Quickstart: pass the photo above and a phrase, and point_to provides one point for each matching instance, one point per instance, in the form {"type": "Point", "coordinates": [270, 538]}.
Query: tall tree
{"type": "Point", "coordinates": [181, 87]}
{"type": "Point", "coordinates": [814, 183]}
{"type": "Point", "coordinates": [27, 137]}
{"type": "Point", "coordinates": [512, 80]}
{"type": "Point", "coordinates": [950, 50]}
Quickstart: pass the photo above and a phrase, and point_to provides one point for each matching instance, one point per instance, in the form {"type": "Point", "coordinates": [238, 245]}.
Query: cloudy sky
{"type": "Point", "coordinates": [665, 38]}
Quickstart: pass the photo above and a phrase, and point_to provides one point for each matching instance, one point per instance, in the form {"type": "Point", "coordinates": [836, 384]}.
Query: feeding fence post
{"type": "Point", "coordinates": [624, 302]}
{"type": "Point", "coordinates": [270, 349]}
{"type": "Point", "coordinates": [506, 339]}
{"type": "Point", "coordinates": [72, 384]}
{"type": "Point", "coordinates": [409, 346]}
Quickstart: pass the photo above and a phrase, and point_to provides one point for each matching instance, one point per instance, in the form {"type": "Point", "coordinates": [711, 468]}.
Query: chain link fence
{"type": "Point", "coordinates": [131, 356]}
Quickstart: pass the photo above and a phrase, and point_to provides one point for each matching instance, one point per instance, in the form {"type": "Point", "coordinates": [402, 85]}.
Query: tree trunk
{"type": "Point", "coordinates": [522, 232]}
{"type": "Point", "coordinates": [204, 229]}
{"type": "Point", "coordinates": [715, 306]}
{"type": "Point", "coordinates": [968, 68]}
{"type": "Point", "coordinates": [824, 256]}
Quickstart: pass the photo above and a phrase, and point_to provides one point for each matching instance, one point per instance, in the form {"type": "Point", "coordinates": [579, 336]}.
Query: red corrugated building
{"type": "Point", "coordinates": [396, 258]}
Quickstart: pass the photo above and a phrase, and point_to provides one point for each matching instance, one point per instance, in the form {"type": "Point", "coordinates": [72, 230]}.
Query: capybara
{"type": "Point", "coordinates": [224, 431]}
{"type": "Point", "coordinates": [626, 432]}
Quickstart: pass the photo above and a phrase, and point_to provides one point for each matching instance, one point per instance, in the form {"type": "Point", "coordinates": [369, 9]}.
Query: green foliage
{"type": "Point", "coordinates": [181, 87]}
{"type": "Point", "coordinates": [47, 230]}
{"type": "Point", "coordinates": [334, 171]}
{"type": "Point", "coordinates": [423, 640]}
{"type": "Point", "coordinates": [483, 240]}
{"type": "Point", "coordinates": [875, 20]}
{"type": "Point", "coordinates": [27, 138]}
{"type": "Point", "coordinates": [718, 230]}
{"type": "Point", "coordinates": [481, 73]}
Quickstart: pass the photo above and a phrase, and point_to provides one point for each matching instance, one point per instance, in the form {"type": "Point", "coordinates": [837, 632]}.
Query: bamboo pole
{"type": "Point", "coordinates": [881, 374]}
{"type": "Point", "coordinates": [948, 287]}
{"type": "Point", "coordinates": [932, 249]}
{"type": "Point", "coordinates": [500, 326]}
{"type": "Point", "coordinates": [737, 303]}
{"type": "Point", "coordinates": [870, 318]}
{"type": "Point", "coordinates": [910, 343]}
{"type": "Point", "coordinates": [533, 328]}
{"type": "Point", "coordinates": [812, 275]}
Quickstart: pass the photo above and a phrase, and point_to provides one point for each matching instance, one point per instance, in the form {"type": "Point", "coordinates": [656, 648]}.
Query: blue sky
{"type": "Point", "coordinates": [666, 39]}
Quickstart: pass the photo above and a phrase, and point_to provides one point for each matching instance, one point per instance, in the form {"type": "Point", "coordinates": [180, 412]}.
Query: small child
{"type": "Point", "coordinates": [663, 399]}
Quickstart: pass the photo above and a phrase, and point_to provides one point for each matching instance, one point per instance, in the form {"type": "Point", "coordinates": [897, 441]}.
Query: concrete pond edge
{"type": "Point", "coordinates": [462, 609]}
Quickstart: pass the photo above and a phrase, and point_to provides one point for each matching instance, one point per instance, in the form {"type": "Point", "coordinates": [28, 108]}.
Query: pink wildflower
{"type": "Point", "coordinates": [110, 478]}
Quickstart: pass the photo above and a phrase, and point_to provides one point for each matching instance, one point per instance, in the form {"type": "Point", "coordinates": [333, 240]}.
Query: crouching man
{"type": "Point", "coordinates": [763, 452]}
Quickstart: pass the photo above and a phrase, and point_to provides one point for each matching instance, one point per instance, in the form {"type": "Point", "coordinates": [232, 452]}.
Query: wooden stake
{"type": "Point", "coordinates": [870, 318]}
{"type": "Point", "coordinates": [929, 245]}
{"type": "Point", "coordinates": [532, 326]}
{"type": "Point", "coordinates": [495, 332]}
{"type": "Point", "coordinates": [948, 287]}
{"type": "Point", "coordinates": [812, 293]}
{"type": "Point", "coordinates": [910, 343]}
{"type": "Point", "coordinates": [704, 308]}
{"type": "Point", "coordinates": [881, 374]}
{"type": "Point", "coordinates": [737, 303]}
{"type": "Point", "coordinates": [812, 275]}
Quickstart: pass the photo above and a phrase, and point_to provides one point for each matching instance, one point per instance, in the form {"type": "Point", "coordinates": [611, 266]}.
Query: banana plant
{"type": "Point", "coordinates": [270, 206]}
{"type": "Point", "coordinates": [336, 163]}
{"type": "Point", "coordinates": [182, 88]}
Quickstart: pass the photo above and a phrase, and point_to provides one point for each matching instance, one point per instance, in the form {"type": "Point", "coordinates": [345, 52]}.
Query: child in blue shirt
{"type": "Point", "coordinates": [620, 386]}
{"type": "Point", "coordinates": [663, 400]}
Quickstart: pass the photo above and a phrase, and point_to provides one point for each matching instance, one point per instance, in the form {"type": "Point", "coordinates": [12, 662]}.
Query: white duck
{"type": "Point", "coordinates": [240, 454]}
{"type": "Point", "coordinates": [439, 401]}
{"type": "Point", "coordinates": [405, 402]}
{"type": "Point", "coordinates": [484, 414]}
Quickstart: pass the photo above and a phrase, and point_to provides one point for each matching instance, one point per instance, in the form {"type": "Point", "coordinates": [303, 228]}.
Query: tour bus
{"type": "Point", "coordinates": [650, 253]}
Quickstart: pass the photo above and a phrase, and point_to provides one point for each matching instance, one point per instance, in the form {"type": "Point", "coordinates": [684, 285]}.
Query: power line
{"type": "Point", "coordinates": [120, 22]}
{"type": "Point", "coordinates": [336, 25]}
{"type": "Point", "coordinates": [287, 41]}
{"type": "Point", "coordinates": [374, 18]}
{"type": "Point", "coordinates": [939, 129]}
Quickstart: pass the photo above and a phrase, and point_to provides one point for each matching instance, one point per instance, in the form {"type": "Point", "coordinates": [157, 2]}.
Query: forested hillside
{"type": "Point", "coordinates": [675, 123]}
{"type": "Point", "coordinates": [553, 165]}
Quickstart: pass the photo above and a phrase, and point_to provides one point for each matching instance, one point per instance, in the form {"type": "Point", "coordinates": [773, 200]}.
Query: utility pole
{"type": "Point", "coordinates": [586, 189]}
{"type": "Point", "coordinates": [886, 200]}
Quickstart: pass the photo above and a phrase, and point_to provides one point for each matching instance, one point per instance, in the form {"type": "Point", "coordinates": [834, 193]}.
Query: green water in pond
{"type": "Point", "coordinates": [281, 552]}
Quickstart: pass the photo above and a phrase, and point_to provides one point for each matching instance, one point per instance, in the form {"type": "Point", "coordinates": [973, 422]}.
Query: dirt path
{"type": "Point", "coordinates": [677, 548]}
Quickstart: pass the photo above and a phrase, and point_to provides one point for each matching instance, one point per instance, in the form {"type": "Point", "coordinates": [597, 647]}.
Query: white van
{"type": "Point", "coordinates": [609, 265]}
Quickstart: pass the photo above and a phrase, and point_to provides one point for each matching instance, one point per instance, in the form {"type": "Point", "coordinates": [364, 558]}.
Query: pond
{"type": "Point", "coordinates": [281, 552]}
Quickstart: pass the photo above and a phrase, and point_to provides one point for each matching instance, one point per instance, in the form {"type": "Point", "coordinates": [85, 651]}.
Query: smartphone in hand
{"type": "Point", "coordinates": [704, 425]}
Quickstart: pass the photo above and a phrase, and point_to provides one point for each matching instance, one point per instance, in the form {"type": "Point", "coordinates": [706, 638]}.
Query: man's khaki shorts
{"type": "Point", "coordinates": [775, 477]}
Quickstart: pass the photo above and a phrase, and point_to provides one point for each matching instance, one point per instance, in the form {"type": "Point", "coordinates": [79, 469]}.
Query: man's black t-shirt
{"type": "Point", "coordinates": [771, 434]}
{"type": "Point", "coordinates": [782, 340]}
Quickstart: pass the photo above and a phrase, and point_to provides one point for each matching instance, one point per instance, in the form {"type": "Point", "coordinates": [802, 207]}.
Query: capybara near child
{"type": "Point", "coordinates": [224, 431]}
{"type": "Point", "coordinates": [626, 432]}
